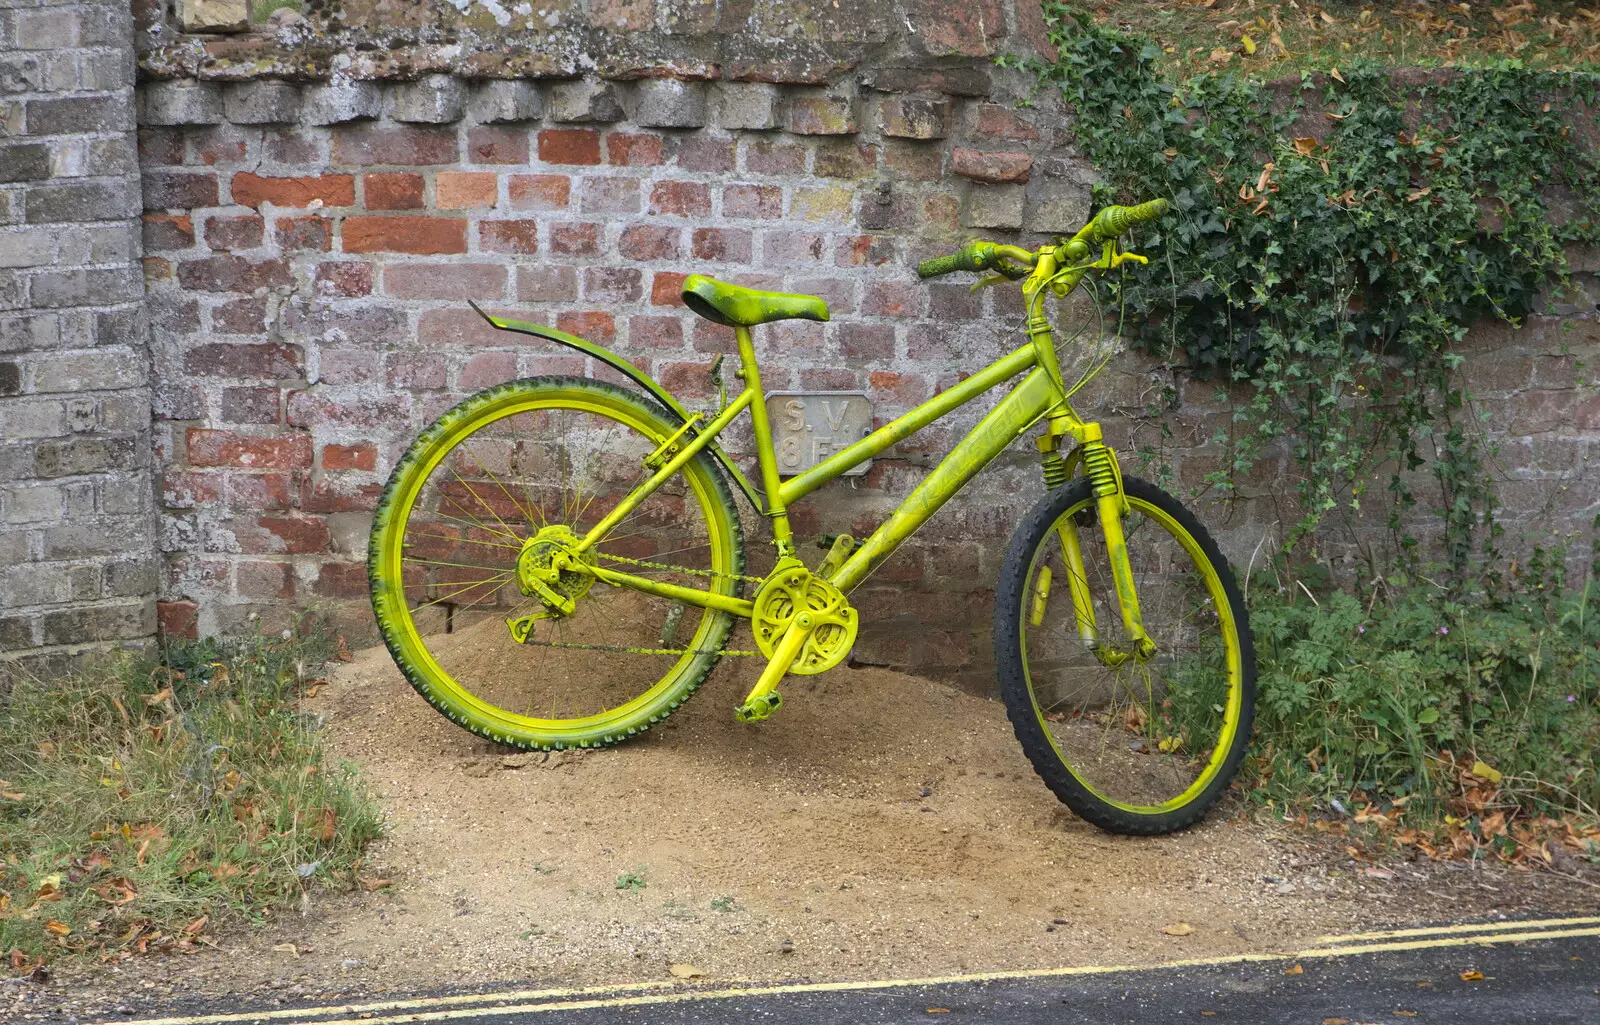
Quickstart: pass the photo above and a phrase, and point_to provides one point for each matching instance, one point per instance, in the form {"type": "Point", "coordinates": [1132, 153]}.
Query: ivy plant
{"type": "Point", "coordinates": [1333, 236]}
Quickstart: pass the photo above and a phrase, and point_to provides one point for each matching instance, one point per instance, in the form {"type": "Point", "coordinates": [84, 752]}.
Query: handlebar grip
{"type": "Point", "coordinates": [1115, 220]}
{"type": "Point", "coordinates": [943, 265]}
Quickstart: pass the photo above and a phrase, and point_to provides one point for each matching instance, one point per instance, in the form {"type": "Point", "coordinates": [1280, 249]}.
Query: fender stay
{"type": "Point", "coordinates": [752, 494]}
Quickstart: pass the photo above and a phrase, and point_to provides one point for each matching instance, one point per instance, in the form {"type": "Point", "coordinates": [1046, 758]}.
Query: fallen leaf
{"type": "Point", "coordinates": [1336, 76]}
{"type": "Point", "coordinates": [1305, 145]}
{"type": "Point", "coordinates": [327, 825]}
{"type": "Point", "coordinates": [1483, 770]}
{"type": "Point", "coordinates": [197, 926]}
{"type": "Point", "coordinates": [59, 928]}
{"type": "Point", "coordinates": [1406, 1014]}
{"type": "Point", "coordinates": [1249, 44]}
{"type": "Point", "coordinates": [1336, 1021]}
{"type": "Point", "coordinates": [1378, 873]}
{"type": "Point", "coordinates": [1178, 929]}
{"type": "Point", "coordinates": [1296, 970]}
{"type": "Point", "coordinates": [151, 700]}
{"type": "Point", "coordinates": [686, 971]}
{"type": "Point", "coordinates": [1472, 976]}
{"type": "Point", "coordinates": [1413, 197]}
{"type": "Point", "coordinates": [1329, 19]}
{"type": "Point", "coordinates": [938, 1010]}
{"type": "Point", "coordinates": [287, 948]}
{"type": "Point", "coordinates": [11, 795]}
{"type": "Point", "coordinates": [374, 884]}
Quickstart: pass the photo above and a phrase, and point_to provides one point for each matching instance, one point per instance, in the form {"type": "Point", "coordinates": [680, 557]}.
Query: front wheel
{"type": "Point", "coordinates": [1134, 743]}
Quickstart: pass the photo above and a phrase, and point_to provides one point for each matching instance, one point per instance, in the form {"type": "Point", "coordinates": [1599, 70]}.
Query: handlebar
{"type": "Point", "coordinates": [981, 256]}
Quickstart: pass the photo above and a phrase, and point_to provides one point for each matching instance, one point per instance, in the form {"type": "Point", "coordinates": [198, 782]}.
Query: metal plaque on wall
{"type": "Point", "coordinates": [810, 426]}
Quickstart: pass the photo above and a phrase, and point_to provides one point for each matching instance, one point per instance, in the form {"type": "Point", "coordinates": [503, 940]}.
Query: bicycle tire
{"type": "Point", "coordinates": [1053, 747]}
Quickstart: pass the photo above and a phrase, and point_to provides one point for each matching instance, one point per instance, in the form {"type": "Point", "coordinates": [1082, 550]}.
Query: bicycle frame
{"type": "Point", "coordinates": [1040, 395]}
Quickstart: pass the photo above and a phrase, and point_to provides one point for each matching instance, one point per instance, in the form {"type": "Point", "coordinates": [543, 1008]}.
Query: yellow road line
{"type": "Point", "coordinates": [684, 996]}
{"type": "Point", "coordinates": [1445, 930]}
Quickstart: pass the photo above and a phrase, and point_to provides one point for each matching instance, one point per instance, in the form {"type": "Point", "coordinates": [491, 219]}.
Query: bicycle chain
{"type": "Point", "coordinates": [657, 651]}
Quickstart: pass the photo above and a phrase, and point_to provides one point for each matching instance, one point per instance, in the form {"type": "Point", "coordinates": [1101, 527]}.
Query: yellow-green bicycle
{"type": "Point", "coordinates": [557, 561]}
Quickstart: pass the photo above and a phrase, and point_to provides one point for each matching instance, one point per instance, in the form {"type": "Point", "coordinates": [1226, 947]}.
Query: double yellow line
{"type": "Point", "coordinates": [636, 994]}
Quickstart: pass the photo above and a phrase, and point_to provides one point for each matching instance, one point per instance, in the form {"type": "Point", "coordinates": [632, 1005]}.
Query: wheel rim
{"type": "Point", "coordinates": [490, 477]}
{"type": "Point", "coordinates": [1147, 737]}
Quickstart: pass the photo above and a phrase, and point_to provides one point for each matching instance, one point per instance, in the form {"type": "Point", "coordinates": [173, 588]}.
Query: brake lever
{"type": "Point", "coordinates": [1112, 258]}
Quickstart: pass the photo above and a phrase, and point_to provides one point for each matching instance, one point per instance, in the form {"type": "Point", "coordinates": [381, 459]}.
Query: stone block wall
{"type": "Point", "coordinates": [77, 563]}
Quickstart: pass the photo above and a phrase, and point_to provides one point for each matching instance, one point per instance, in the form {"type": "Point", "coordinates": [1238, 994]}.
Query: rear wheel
{"type": "Point", "coordinates": [548, 458]}
{"type": "Point", "coordinates": [1133, 744]}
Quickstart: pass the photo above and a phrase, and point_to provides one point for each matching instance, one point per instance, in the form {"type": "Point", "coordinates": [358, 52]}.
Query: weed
{"type": "Point", "coordinates": [149, 798]}
{"type": "Point", "coordinates": [634, 880]}
{"type": "Point", "coordinates": [725, 904]}
{"type": "Point", "coordinates": [543, 869]}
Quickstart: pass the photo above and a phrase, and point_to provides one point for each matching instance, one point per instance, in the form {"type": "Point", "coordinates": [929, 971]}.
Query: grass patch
{"type": "Point", "coordinates": [1462, 726]}
{"type": "Point", "coordinates": [1273, 38]}
{"type": "Point", "coordinates": [151, 798]}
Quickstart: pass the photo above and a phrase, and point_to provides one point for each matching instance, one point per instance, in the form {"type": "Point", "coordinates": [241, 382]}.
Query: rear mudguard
{"type": "Point", "coordinates": [751, 492]}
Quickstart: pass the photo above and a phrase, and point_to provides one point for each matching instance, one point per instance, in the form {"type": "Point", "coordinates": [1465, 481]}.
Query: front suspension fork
{"type": "Point", "coordinates": [1105, 477]}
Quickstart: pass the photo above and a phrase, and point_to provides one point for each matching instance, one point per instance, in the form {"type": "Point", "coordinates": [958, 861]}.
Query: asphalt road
{"type": "Point", "coordinates": [1390, 978]}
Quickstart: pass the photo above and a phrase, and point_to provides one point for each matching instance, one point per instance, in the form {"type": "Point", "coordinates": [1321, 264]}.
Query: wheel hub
{"type": "Point", "coordinates": [551, 568]}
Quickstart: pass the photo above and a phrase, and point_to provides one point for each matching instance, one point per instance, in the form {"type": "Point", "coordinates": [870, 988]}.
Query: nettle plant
{"type": "Point", "coordinates": [1332, 237]}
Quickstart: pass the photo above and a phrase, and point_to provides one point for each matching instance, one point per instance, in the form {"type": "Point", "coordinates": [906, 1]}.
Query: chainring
{"type": "Point", "coordinates": [789, 589]}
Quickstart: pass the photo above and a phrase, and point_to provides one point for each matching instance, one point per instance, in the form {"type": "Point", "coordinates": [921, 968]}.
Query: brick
{"type": "Point", "coordinates": [250, 189]}
{"type": "Point", "coordinates": [325, 407]}
{"type": "Point", "coordinates": [996, 122]}
{"type": "Point", "coordinates": [669, 103]}
{"type": "Point", "coordinates": [487, 369]}
{"type": "Point", "coordinates": [916, 117]}
{"type": "Point", "coordinates": [263, 581]}
{"type": "Point", "coordinates": [818, 112]}
{"type": "Point", "coordinates": [241, 316]}
{"type": "Point", "coordinates": [94, 286]}
{"type": "Point", "coordinates": [547, 284]}
{"type": "Point", "coordinates": [77, 202]}
{"type": "Point", "coordinates": [25, 162]}
{"type": "Point", "coordinates": [461, 327]}
{"type": "Point", "coordinates": [898, 390]}
{"type": "Point", "coordinates": [612, 284]}
{"type": "Point", "coordinates": [251, 405]}
{"type": "Point", "coordinates": [496, 144]}
{"type": "Point", "coordinates": [681, 199]}
{"type": "Point", "coordinates": [993, 206]}
{"type": "Point", "coordinates": [789, 247]}
{"type": "Point", "coordinates": [180, 103]}
{"type": "Point", "coordinates": [891, 299]}
{"type": "Point", "coordinates": [233, 274]}
{"type": "Point", "coordinates": [88, 371]}
{"type": "Point", "coordinates": [774, 156]}
{"type": "Point", "coordinates": [575, 239]}
{"type": "Point", "coordinates": [97, 623]}
{"type": "Point", "coordinates": [1059, 207]}
{"type": "Point", "coordinates": [966, 30]}
{"type": "Point", "coordinates": [655, 332]}
{"type": "Point", "coordinates": [874, 342]}
{"type": "Point", "coordinates": [445, 281]}
{"type": "Point", "coordinates": [228, 233]}
{"type": "Point", "coordinates": [180, 190]}
{"type": "Point", "coordinates": [398, 234]}
{"type": "Point", "coordinates": [72, 456]}
{"type": "Point", "coordinates": [701, 152]}
{"type": "Point", "coordinates": [266, 362]}
{"type": "Point", "coordinates": [461, 190]}
{"type": "Point", "coordinates": [346, 365]}
{"type": "Point", "coordinates": [994, 168]}
{"type": "Point", "coordinates": [367, 145]}
{"type": "Point", "coordinates": [722, 245]}
{"type": "Point", "coordinates": [628, 149]}
{"type": "Point", "coordinates": [505, 100]}
{"type": "Point", "coordinates": [569, 146]}
{"type": "Point", "coordinates": [586, 100]}
{"type": "Point", "coordinates": [610, 196]}
{"type": "Point", "coordinates": [297, 535]}
{"type": "Point", "coordinates": [539, 191]}
{"type": "Point", "coordinates": [756, 202]}
{"type": "Point", "coordinates": [595, 325]}
{"type": "Point", "coordinates": [948, 302]}
{"type": "Point", "coordinates": [520, 237]}
{"type": "Point", "coordinates": [361, 456]}
{"type": "Point", "coordinates": [262, 102]}
{"type": "Point", "coordinates": [392, 190]}
{"type": "Point", "coordinates": [432, 99]}
{"type": "Point", "coordinates": [827, 205]}
{"type": "Point", "coordinates": [168, 231]}
{"type": "Point", "coordinates": [161, 146]}
{"type": "Point", "coordinates": [748, 106]}
{"type": "Point", "coordinates": [918, 161]}
{"type": "Point", "coordinates": [302, 234]}
{"type": "Point", "coordinates": [179, 619]}
{"type": "Point", "coordinates": [341, 102]}
{"type": "Point", "coordinates": [648, 242]}
{"type": "Point", "coordinates": [666, 288]}
{"type": "Point", "coordinates": [342, 280]}
{"type": "Point", "coordinates": [223, 145]}
{"type": "Point", "coordinates": [343, 580]}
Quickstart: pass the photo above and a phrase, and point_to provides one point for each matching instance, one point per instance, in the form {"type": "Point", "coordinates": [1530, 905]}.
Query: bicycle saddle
{"type": "Point", "coordinates": [722, 303]}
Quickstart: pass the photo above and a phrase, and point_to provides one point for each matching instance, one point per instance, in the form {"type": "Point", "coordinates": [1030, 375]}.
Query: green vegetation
{"type": "Point", "coordinates": [1391, 697]}
{"type": "Point", "coordinates": [148, 799]}
{"type": "Point", "coordinates": [633, 881]}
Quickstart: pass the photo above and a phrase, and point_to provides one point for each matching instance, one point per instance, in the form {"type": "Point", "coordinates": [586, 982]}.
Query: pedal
{"type": "Point", "coordinates": [759, 708]}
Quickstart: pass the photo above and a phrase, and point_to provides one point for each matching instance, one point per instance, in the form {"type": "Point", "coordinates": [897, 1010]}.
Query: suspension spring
{"type": "Point", "coordinates": [1099, 464]}
{"type": "Point", "coordinates": [1055, 470]}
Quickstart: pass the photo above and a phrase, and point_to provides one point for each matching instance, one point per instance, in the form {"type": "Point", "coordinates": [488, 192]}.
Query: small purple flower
{"type": "Point", "coordinates": [1361, 629]}
{"type": "Point", "coordinates": [1444, 629]}
{"type": "Point", "coordinates": [1571, 698]}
